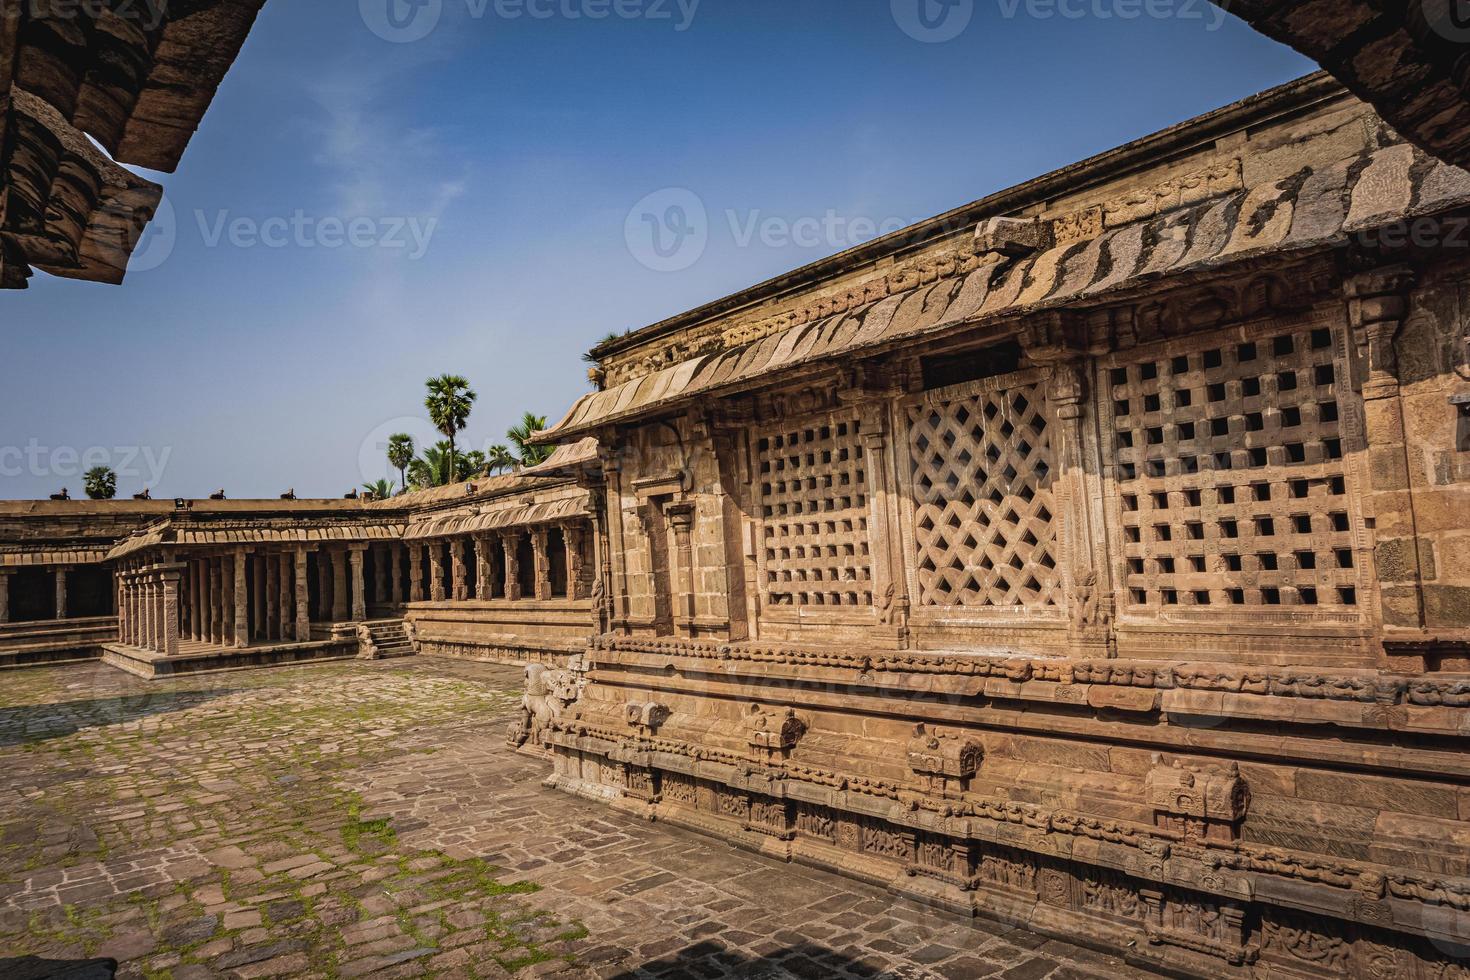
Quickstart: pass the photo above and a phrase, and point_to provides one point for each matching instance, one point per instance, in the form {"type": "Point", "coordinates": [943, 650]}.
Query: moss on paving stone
{"type": "Point", "coordinates": [204, 821]}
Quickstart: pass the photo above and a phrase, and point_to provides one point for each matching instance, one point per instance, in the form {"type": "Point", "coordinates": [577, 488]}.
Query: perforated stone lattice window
{"type": "Point", "coordinates": [814, 502]}
{"type": "Point", "coordinates": [984, 521]}
{"type": "Point", "coordinates": [1231, 475]}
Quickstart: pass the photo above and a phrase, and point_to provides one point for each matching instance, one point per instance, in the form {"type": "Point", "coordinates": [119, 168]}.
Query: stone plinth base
{"type": "Point", "coordinates": [52, 642]}
{"type": "Point", "coordinates": [200, 659]}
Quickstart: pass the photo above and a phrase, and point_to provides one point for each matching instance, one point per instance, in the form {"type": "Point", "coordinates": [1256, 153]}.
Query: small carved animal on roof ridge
{"type": "Point", "coordinates": [218, 494]}
{"type": "Point", "coordinates": [63, 495]}
{"type": "Point", "coordinates": [289, 494]}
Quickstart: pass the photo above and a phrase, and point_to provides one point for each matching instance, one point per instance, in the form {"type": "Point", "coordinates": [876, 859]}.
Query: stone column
{"type": "Point", "coordinates": [324, 585]}
{"type": "Point", "coordinates": [140, 606]}
{"type": "Point", "coordinates": [1377, 305]}
{"type": "Point", "coordinates": [571, 535]}
{"type": "Point", "coordinates": [61, 591]}
{"type": "Point", "coordinates": [242, 600]}
{"type": "Point", "coordinates": [359, 595]}
{"type": "Point", "coordinates": [681, 519]}
{"type": "Point", "coordinates": [303, 599]}
{"type": "Point", "coordinates": [339, 587]}
{"type": "Point", "coordinates": [169, 640]}
{"type": "Point", "coordinates": [196, 621]}
{"type": "Point", "coordinates": [4, 596]}
{"type": "Point", "coordinates": [286, 599]}
{"type": "Point", "coordinates": [484, 586]}
{"type": "Point", "coordinates": [415, 573]}
{"type": "Point", "coordinates": [216, 602]}
{"type": "Point", "coordinates": [542, 561]}
{"type": "Point", "coordinates": [458, 572]}
{"type": "Point", "coordinates": [227, 599]}
{"type": "Point", "coordinates": [512, 544]}
{"type": "Point", "coordinates": [396, 573]}
{"type": "Point", "coordinates": [436, 571]}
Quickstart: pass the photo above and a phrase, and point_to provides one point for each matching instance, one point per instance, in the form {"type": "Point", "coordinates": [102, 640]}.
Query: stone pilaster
{"type": "Point", "coordinates": [258, 576]}
{"type": "Point", "coordinates": [60, 574]}
{"type": "Point", "coordinates": [169, 638]}
{"type": "Point", "coordinates": [415, 573]}
{"type": "Point", "coordinates": [380, 573]}
{"type": "Point", "coordinates": [681, 519]}
{"type": "Point", "coordinates": [1377, 304]}
{"type": "Point", "coordinates": [303, 598]}
{"type": "Point", "coordinates": [890, 586]}
{"type": "Point", "coordinates": [242, 601]}
{"type": "Point", "coordinates": [272, 597]}
{"type": "Point", "coordinates": [4, 596]}
{"type": "Point", "coordinates": [572, 536]}
{"type": "Point", "coordinates": [436, 571]}
{"type": "Point", "coordinates": [217, 604]}
{"type": "Point", "coordinates": [459, 574]}
{"type": "Point", "coordinates": [227, 598]}
{"type": "Point", "coordinates": [512, 542]}
{"type": "Point", "coordinates": [359, 596]}
{"type": "Point", "coordinates": [484, 584]}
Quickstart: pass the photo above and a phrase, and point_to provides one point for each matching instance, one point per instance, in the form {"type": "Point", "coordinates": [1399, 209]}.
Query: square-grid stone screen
{"type": "Point", "coordinates": [1231, 475]}
{"type": "Point", "coordinates": [813, 487]}
{"type": "Point", "coordinates": [982, 470]}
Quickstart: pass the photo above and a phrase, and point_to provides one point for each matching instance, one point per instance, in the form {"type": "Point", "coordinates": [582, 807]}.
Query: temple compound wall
{"type": "Point", "coordinates": [1093, 557]}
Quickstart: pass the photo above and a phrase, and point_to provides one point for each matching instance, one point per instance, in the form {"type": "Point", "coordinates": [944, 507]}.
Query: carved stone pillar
{"type": "Point", "coordinates": [359, 597]}
{"type": "Point", "coordinates": [542, 562]}
{"type": "Point", "coordinates": [227, 599]}
{"type": "Point", "coordinates": [436, 571]}
{"type": "Point", "coordinates": [242, 600]}
{"type": "Point", "coordinates": [681, 519]}
{"type": "Point", "coordinates": [459, 574]}
{"type": "Point", "coordinates": [196, 598]}
{"type": "Point", "coordinates": [1377, 304]}
{"type": "Point", "coordinates": [415, 573]}
{"type": "Point", "coordinates": [216, 603]}
{"type": "Point", "coordinates": [303, 599]}
{"type": "Point", "coordinates": [571, 535]}
{"type": "Point", "coordinates": [395, 558]}
{"type": "Point", "coordinates": [169, 640]}
{"type": "Point", "coordinates": [150, 619]}
{"type": "Point", "coordinates": [286, 602]}
{"type": "Point", "coordinates": [890, 587]}
{"type": "Point", "coordinates": [512, 543]}
{"type": "Point", "coordinates": [60, 574]}
{"type": "Point", "coordinates": [1058, 342]}
{"type": "Point", "coordinates": [339, 587]}
{"type": "Point", "coordinates": [4, 596]}
{"type": "Point", "coordinates": [484, 584]}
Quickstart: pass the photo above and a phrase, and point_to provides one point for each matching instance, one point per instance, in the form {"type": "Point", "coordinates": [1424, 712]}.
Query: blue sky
{"type": "Point", "coordinates": [357, 214]}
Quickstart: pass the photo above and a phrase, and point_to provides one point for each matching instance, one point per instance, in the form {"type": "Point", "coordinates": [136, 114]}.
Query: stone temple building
{"type": "Point", "coordinates": [1095, 556]}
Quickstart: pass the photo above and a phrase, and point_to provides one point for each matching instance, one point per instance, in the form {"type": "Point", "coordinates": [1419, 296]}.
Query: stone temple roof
{"type": "Point", "coordinates": [234, 533]}
{"type": "Point", "coordinates": [1316, 208]}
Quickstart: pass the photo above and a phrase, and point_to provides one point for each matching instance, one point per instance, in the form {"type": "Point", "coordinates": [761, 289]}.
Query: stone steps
{"type": "Point", "coordinates": [390, 639]}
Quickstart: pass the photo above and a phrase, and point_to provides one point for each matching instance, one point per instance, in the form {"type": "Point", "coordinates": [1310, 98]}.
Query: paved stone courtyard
{"type": "Point", "coordinates": [367, 819]}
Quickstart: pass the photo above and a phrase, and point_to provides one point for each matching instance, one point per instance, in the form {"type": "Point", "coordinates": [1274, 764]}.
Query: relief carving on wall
{"type": "Point", "coordinates": [1202, 803]}
{"type": "Point", "coordinates": [549, 697]}
{"type": "Point", "coordinates": [1293, 939]}
{"type": "Point", "coordinates": [944, 761]}
{"type": "Point", "coordinates": [772, 734]}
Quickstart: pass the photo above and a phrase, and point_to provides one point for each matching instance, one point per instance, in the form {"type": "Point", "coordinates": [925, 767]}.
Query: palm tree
{"type": "Point", "coordinates": [520, 435]}
{"type": "Point", "coordinates": [590, 357]}
{"type": "Point", "coordinates": [101, 483]}
{"type": "Point", "coordinates": [400, 454]}
{"type": "Point", "coordinates": [381, 489]}
{"type": "Point", "coordinates": [449, 403]}
{"type": "Point", "coordinates": [431, 467]}
{"type": "Point", "coordinates": [498, 459]}
{"type": "Point", "coordinates": [471, 464]}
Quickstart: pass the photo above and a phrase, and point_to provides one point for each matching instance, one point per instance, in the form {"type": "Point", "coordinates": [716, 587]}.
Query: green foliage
{"type": "Point", "coordinates": [431, 468]}
{"type": "Point", "coordinates": [498, 459]}
{"type": "Point", "coordinates": [520, 436]}
{"type": "Point", "coordinates": [449, 402]}
{"type": "Point", "coordinates": [400, 455]}
{"type": "Point", "coordinates": [381, 489]}
{"type": "Point", "coordinates": [101, 483]}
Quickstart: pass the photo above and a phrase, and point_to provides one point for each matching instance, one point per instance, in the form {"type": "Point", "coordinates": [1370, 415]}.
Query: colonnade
{"type": "Point", "coordinates": [59, 573]}
{"type": "Point", "coordinates": [541, 562]}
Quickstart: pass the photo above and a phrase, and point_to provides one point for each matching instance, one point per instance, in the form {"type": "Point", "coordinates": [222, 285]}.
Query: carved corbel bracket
{"type": "Point", "coordinates": [1059, 341]}
{"type": "Point", "coordinates": [944, 761]}
{"type": "Point", "coordinates": [772, 734]}
{"type": "Point", "coordinates": [1200, 802]}
{"type": "Point", "coordinates": [1378, 301]}
{"type": "Point", "coordinates": [646, 716]}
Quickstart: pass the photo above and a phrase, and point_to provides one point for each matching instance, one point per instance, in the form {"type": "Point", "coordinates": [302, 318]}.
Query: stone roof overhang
{"type": "Point", "coordinates": [569, 460]}
{"type": "Point", "coordinates": [224, 535]}
{"type": "Point", "coordinates": [136, 77]}
{"type": "Point", "coordinates": [1403, 57]}
{"type": "Point", "coordinates": [1314, 210]}
{"type": "Point", "coordinates": [52, 556]}
{"type": "Point", "coordinates": [518, 514]}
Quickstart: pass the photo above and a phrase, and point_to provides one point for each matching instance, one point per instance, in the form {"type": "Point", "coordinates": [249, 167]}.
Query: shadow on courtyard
{"type": "Point", "coordinates": [35, 723]}
{"type": "Point", "coordinates": [710, 959]}
{"type": "Point", "coordinates": [35, 968]}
